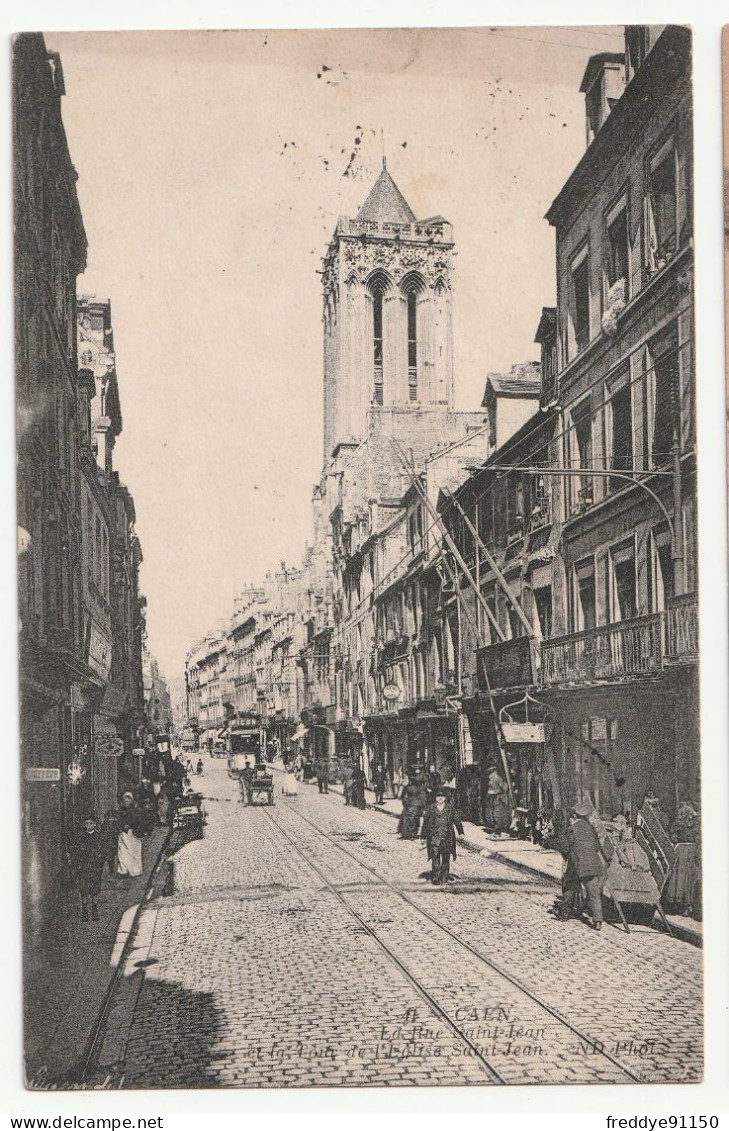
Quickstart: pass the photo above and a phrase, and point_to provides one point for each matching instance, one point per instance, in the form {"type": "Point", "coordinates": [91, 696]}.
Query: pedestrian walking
{"type": "Point", "coordinates": [440, 824]}
{"type": "Point", "coordinates": [245, 785]}
{"type": "Point", "coordinates": [358, 788]}
{"type": "Point", "coordinates": [290, 787]}
{"type": "Point", "coordinates": [163, 804]}
{"type": "Point", "coordinates": [199, 766]}
{"type": "Point", "coordinates": [322, 774]}
{"type": "Point", "coordinates": [379, 783]}
{"type": "Point", "coordinates": [413, 807]}
{"type": "Point", "coordinates": [88, 859]}
{"type": "Point", "coordinates": [432, 782]}
{"type": "Point", "coordinates": [585, 866]}
{"type": "Point", "coordinates": [129, 842]}
{"type": "Point", "coordinates": [109, 838]}
{"type": "Point", "coordinates": [348, 779]}
{"type": "Point", "coordinates": [498, 812]}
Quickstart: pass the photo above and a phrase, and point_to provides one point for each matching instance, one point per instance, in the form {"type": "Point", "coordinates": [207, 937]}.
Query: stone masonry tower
{"type": "Point", "coordinates": [388, 338]}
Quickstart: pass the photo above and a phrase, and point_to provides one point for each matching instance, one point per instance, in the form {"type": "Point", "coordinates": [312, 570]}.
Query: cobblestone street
{"type": "Point", "coordinates": [301, 945]}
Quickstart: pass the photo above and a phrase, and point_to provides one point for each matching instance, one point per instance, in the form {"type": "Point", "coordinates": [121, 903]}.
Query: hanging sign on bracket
{"type": "Point", "coordinates": [524, 732]}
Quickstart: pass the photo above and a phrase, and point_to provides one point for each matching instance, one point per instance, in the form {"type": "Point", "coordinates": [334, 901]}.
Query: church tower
{"type": "Point", "coordinates": [388, 337]}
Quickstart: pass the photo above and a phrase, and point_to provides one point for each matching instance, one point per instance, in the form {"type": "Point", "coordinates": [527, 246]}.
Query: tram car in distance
{"type": "Point", "coordinates": [244, 747]}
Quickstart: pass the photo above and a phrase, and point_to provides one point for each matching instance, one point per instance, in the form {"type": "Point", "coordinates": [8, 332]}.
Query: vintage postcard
{"type": "Point", "coordinates": [357, 557]}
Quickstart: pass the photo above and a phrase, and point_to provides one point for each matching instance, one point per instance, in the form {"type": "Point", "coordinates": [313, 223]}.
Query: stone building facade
{"type": "Point", "coordinates": [595, 530]}
{"type": "Point", "coordinates": [80, 661]}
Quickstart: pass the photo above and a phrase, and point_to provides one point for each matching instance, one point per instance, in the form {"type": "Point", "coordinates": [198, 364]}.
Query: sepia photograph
{"type": "Point", "coordinates": [358, 557]}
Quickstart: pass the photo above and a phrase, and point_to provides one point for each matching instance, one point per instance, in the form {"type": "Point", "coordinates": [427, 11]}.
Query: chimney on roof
{"type": "Point", "coordinates": [602, 85]}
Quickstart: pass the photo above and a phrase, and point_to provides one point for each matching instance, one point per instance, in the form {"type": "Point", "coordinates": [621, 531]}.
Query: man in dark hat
{"type": "Point", "coordinates": [585, 866]}
{"type": "Point", "coordinates": [440, 823]}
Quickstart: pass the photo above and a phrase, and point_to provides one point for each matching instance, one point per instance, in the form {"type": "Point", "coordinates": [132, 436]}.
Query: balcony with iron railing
{"type": "Point", "coordinates": [627, 648]}
{"type": "Point", "coordinates": [681, 637]}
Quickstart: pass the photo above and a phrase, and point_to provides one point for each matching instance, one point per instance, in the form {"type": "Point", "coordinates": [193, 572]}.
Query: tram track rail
{"type": "Point", "coordinates": [493, 1074]}
{"type": "Point", "coordinates": [495, 968]}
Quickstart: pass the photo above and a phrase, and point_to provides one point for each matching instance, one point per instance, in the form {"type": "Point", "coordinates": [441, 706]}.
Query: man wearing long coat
{"type": "Point", "coordinates": [440, 824]}
{"type": "Point", "coordinates": [585, 864]}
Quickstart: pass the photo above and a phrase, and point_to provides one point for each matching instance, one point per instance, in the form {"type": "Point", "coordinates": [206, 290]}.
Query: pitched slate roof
{"type": "Point", "coordinates": [386, 203]}
{"type": "Point", "coordinates": [523, 380]}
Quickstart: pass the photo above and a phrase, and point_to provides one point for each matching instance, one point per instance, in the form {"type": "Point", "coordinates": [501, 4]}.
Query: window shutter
{"type": "Point", "coordinates": [685, 380]}
{"type": "Point", "coordinates": [683, 193]}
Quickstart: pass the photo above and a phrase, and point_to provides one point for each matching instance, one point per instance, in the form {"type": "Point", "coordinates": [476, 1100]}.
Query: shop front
{"type": "Point", "coordinates": [386, 744]}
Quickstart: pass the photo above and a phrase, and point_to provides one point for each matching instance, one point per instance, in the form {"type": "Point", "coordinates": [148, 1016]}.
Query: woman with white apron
{"type": "Point", "coordinates": [129, 846]}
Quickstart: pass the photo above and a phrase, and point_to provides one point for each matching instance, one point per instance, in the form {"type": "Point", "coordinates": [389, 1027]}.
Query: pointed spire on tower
{"type": "Point", "coordinates": [385, 202]}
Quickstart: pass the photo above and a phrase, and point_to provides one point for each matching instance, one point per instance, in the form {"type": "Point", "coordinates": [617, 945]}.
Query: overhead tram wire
{"type": "Point", "coordinates": [501, 474]}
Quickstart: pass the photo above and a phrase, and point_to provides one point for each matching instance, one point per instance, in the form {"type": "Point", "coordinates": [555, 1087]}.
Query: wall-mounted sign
{"type": "Point", "coordinates": [99, 651]}
{"type": "Point", "coordinates": [42, 773]}
{"type": "Point", "coordinates": [109, 745]}
{"type": "Point", "coordinates": [76, 697]}
{"type": "Point", "coordinates": [391, 692]}
{"type": "Point", "coordinates": [524, 732]}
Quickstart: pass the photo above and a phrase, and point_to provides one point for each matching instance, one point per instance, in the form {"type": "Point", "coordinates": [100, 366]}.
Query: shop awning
{"type": "Point", "coordinates": [299, 733]}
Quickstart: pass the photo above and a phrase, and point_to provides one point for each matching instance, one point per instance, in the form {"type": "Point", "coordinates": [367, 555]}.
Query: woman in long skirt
{"type": "Point", "coordinates": [290, 787]}
{"type": "Point", "coordinates": [129, 846]}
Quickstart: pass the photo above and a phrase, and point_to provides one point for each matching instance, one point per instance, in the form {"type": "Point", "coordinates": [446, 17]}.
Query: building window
{"type": "Point", "coordinates": [90, 544]}
{"type": "Point", "coordinates": [377, 305]}
{"type": "Point", "coordinates": [661, 573]}
{"type": "Point", "coordinates": [617, 246]}
{"type": "Point", "coordinates": [582, 493]}
{"type": "Point", "coordinates": [663, 399]}
{"type": "Point", "coordinates": [661, 208]}
{"type": "Point", "coordinates": [581, 302]}
{"type": "Point", "coordinates": [97, 555]}
{"type": "Point", "coordinates": [106, 565]}
{"type": "Point", "coordinates": [624, 605]}
{"type": "Point", "coordinates": [620, 433]}
{"type": "Point", "coordinates": [585, 607]}
{"type": "Point", "coordinates": [412, 345]}
{"type": "Point", "coordinates": [543, 609]}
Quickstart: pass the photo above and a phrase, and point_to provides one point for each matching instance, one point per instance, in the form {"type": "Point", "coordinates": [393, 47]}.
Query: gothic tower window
{"type": "Point", "coordinates": [378, 292]}
{"type": "Point", "coordinates": [412, 345]}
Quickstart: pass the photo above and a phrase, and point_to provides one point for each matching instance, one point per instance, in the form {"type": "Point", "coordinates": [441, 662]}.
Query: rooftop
{"type": "Point", "coordinates": [522, 380]}
{"type": "Point", "coordinates": [385, 203]}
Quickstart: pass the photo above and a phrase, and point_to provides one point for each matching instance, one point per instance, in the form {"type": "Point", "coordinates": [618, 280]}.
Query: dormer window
{"type": "Point", "coordinates": [602, 86]}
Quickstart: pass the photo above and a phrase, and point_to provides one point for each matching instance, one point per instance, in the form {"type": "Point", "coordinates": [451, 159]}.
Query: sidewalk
{"type": "Point", "coordinates": [527, 857]}
{"type": "Point", "coordinates": [67, 978]}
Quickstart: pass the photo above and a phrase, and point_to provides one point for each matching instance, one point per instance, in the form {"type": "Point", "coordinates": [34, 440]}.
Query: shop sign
{"type": "Point", "coordinates": [99, 651]}
{"type": "Point", "coordinates": [76, 697]}
{"type": "Point", "coordinates": [42, 773]}
{"type": "Point", "coordinates": [391, 692]}
{"type": "Point", "coordinates": [138, 751]}
{"type": "Point", "coordinates": [524, 732]}
{"type": "Point", "coordinates": [108, 746]}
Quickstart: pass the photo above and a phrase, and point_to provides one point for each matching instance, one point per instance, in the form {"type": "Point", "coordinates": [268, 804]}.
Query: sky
{"type": "Point", "coordinates": [212, 167]}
